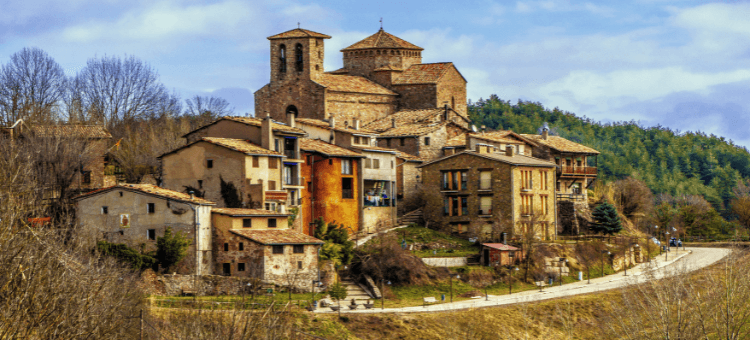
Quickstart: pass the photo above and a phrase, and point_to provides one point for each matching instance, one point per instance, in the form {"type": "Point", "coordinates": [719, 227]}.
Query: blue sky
{"type": "Point", "coordinates": [681, 64]}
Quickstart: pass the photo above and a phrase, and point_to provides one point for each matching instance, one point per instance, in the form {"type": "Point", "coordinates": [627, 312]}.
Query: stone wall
{"type": "Point", "coordinates": [347, 106]}
{"type": "Point", "coordinates": [175, 284]}
{"type": "Point", "coordinates": [452, 89]}
{"type": "Point", "coordinates": [445, 261]}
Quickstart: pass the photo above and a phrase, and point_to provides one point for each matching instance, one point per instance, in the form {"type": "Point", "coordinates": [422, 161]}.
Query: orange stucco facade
{"type": "Point", "coordinates": [324, 192]}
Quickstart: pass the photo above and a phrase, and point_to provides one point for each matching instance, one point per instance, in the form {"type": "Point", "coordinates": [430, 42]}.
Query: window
{"type": "Point", "coordinates": [288, 176]}
{"type": "Point", "coordinates": [376, 163]}
{"type": "Point", "coordinates": [388, 142]}
{"type": "Point", "coordinates": [209, 163]}
{"type": "Point", "coordinates": [464, 206]}
{"type": "Point", "coordinates": [86, 177]}
{"type": "Point", "coordinates": [347, 188]}
{"type": "Point", "coordinates": [346, 166]}
{"type": "Point", "coordinates": [271, 185]}
{"type": "Point", "coordinates": [545, 204]}
{"type": "Point", "coordinates": [299, 264]}
{"type": "Point", "coordinates": [151, 208]}
{"type": "Point", "coordinates": [282, 58]}
{"type": "Point", "coordinates": [427, 141]}
{"type": "Point", "coordinates": [543, 177]}
{"type": "Point", "coordinates": [355, 140]}
{"type": "Point", "coordinates": [247, 223]}
{"type": "Point", "coordinates": [299, 248]}
{"type": "Point", "coordinates": [456, 206]}
{"type": "Point", "coordinates": [272, 223]}
{"type": "Point", "coordinates": [271, 206]}
{"type": "Point", "coordinates": [227, 268]}
{"type": "Point", "coordinates": [527, 182]}
{"type": "Point", "coordinates": [241, 246]}
{"type": "Point", "coordinates": [299, 59]}
{"type": "Point", "coordinates": [392, 165]}
{"type": "Point", "coordinates": [256, 162]}
{"type": "Point", "coordinates": [105, 210]}
{"type": "Point", "coordinates": [200, 184]}
{"type": "Point", "coordinates": [120, 193]}
{"type": "Point", "coordinates": [240, 267]}
{"type": "Point", "coordinates": [527, 205]}
{"type": "Point", "coordinates": [226, 246]}
{"type": "Point", "coordinates": [459, 228]}
{"type": "Point", "coordinates": [278, 249]}
{"type": "Point", "coordinates": [276, 145]}
{"type": "Point", "coordinates": [452, 180]}
{"type": "Point", "coordinates": [485, 205]}
{"type": "Point", "coordinates": [402, 141]}
{"type": "Point", "coordinates": [151, 234]}
{"type": "Point", "coordinates": [368, 163]}
{"type": "Point", "coordinates": [485, 180]}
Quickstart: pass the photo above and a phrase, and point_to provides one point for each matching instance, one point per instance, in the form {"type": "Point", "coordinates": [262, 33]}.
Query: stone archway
{"type": "Point", "coordinates": [291, 109]}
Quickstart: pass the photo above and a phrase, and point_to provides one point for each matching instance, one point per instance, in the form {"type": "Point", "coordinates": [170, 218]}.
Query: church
{"type": "Point", "coordinates": [383, 84]}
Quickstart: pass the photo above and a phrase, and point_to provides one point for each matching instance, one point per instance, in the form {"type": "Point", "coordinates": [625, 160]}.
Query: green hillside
{"type": "Point", "coordinates": [668, 161]}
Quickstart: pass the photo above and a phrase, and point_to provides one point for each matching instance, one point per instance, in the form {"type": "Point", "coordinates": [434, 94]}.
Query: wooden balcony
{"type": "Point", "coordinates": [577, 171]}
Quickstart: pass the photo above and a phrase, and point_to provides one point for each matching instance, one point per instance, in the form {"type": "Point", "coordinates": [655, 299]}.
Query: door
{"type": "Point", "coordinates": [227, 269]}
{"type": "Point", "coordinates": [486, 257]}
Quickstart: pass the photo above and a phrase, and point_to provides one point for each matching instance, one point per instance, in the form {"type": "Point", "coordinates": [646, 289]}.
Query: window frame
{"type": "Point", "coordinates": [247, 223]}
{"type": "Point", "coordinates": [105, 210]}
{"type": "Point", "coordinates": [273, 223]}
{"type": "Point", "coordinates": [151, 234]}
{"type": "Point", "coordinates": [151, 208]}
{"type": "Point", "coordinates": [298, 249]}
{"type": "Point", "coordinates": [277, 249]}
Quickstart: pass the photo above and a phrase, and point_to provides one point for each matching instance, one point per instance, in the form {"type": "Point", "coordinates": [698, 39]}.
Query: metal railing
{"type": "Point", "coordinates": [291, 154]}
{"type": "Point", "coordinates": [347, 193]}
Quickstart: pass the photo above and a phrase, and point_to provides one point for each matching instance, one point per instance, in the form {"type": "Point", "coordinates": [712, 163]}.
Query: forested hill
{"type": "Point", "coordinates": [668, 161]}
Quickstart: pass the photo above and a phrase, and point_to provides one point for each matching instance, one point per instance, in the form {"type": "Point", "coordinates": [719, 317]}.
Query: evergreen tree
{"type": "Point", "coordinates": [606, 220]}
{"type": "Point", "coordinates": [171, 248]}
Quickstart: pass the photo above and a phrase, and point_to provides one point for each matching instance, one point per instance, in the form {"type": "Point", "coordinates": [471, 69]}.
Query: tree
{"type": "Point", "coordinates": [337, 247]}
{"type": "Point", "coordinates": [205, 109]}
{"type": "Point", "coordinates": [337, 291]}
{"type": "Point", "coordinates": [31, 85]}
{"type": "Point", "coordinates": [633, 196]}
{"type": "Point", "coordinates": [606, 220]}
{"type": "Point", "coordinates": [171, 248]}
{"type": "Point", "coordinates": [587, 253]}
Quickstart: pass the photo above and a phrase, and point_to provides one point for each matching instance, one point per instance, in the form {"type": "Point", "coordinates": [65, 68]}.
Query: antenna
{"type": "Point", "coordinates": [381, 23]}
{"type": "Point", "coordinates": [297, 24]}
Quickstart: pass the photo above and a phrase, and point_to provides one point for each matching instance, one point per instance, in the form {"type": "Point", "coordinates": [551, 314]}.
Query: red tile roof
{"type": "Point", "coordinates": [86, 131]}
{"type": "Point", "coordinates": [276, 237]}
{"type": "Point", "coordinates": [233, 144]}
{"type": "Point", "coordinates": [328, 149]}
{"type": "Point", "coordinates": [354, 84]}
{"type": "Point", "coordinates": [500, 246]}
{"type": "Point", "coordinates": [503, 136]}
{"type": "Point", "coordinates": [149, 189]}
{"type": "Point", "coordinates": [299, 33]}
{"type": "Point", "coordinates": [382, 39]}
{"type": "Point", "coordinates": [339, 126]}
{"type": "Point", "coordinates": [423, 74]}
{"type": "Point", "coordinates": [246, 212]}
{"type": "Point", "coordinates": [562, 144]}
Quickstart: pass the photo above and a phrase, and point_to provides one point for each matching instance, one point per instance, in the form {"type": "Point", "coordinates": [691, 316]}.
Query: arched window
{"type": "Point", "coordinates": [298, 57]}
{"type": "Point", "coordinates": [282, 58]}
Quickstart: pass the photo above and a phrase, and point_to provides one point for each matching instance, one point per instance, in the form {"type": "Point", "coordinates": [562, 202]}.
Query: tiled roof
{"type": "Point", "coordinates": [149, 189]}
{"type": "Point", "coordinates": [502, 136]}
{"type": "Point", "coordinates": [246, 212]}
{"type": "Point", "coordinates": [516, 159]}
{"type": "Point", "coordinates": [339, 71]}
{"type": "Point", "coordinates": [87, 131]}
{"type": "Point", "coordinates": [410, 123]}
{"type": "Point", "coordinates": [423, 74]}
{"type": "Point", "coordinates": [387, 68]}
{"type": "Point", "coordinates": [276, 126]}
{"type": "Point", "coordinates": [457, 141]}
{"type": "Point", "coordinates": [382, 39]}
{"type": "Point", "coordinates": [413, 129]}
{"type": "Point", "coordinates": [500, 246]}
{"type": "Point", "coordinates": [317, 145]}
{"type": "Point", "coordinates": [355, 84]}
{"type": "Point", "coordinates": [561, 144]}
{"type": "Point", "coordinates": [375, 149]}
{"type": "Point", "coordinates": [339, 126]}
{"type": "Point", "coordinates": [276, 237]}
{"type": "Point", "coordinates": [299, 33]}
{"type": "Point", "coordinates": [240, 145]}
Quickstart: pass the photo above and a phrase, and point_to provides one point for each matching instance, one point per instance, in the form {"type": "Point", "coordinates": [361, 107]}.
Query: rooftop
{"type": "Point", "coordinates": [500, 246]}
{"type": "Point", "coordinates": [328, 149]}
{"type": "Point", "coordinates": [410, 122]}
{"type": "Point", "coordinates": [516, 159]}
{"type": "Point", "coordinates": [339, 126]}
{"type": "Point", "coordinates": [299, 33]}
{"type": "Point", "coordinates": [253, 121]}
{"type": "Point", "coordinates": [424, 73]}
{"type": "Point", "coordinates": [354, 84]}
{"type": "Point", "coordinates": [246, 212]}
{"type": "Point", "coordinates": [149, 189]}
{"type": "Point", "coordinates": [238, 145]}
{"type": "Point", "coordinates": [503, 136]}
{"type": "Point", "coordinates": [276, 237]}
{"type": "Point", "coordinates": [382, 39]}
{"type": "Point", "coordinates": [561, 144]}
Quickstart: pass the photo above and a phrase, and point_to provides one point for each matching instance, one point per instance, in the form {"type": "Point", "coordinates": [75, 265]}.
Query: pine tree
{"type": "Point", "coordinates": [606, 220]}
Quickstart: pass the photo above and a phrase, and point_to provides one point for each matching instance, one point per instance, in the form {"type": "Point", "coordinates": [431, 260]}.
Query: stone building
{"type": "Point", "coordinates": [382, 75]}
{"type": "Point", "coordinates": [482, 194]}
{"type": "Point", "coordinates": [334, 185]}
{"type": "Point", "coordinates": [498, 140]}
{"type": "Point", "coordinates": [136, 214]}
{"type": "Point", "coordinates": [258, 244]}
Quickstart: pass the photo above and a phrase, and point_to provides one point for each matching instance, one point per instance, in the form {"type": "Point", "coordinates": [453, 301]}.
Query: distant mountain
{"type": "Point", "coordinates": [669, 161]}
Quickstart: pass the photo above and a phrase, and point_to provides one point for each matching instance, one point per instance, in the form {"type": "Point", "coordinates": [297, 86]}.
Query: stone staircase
{"type": "Point", "coordinates": [354, 291]}
{"type": "Point", "coordinates": [415, 216]}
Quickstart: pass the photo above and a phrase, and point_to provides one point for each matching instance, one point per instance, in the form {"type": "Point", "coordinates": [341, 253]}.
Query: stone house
{"type": "Point", "coordinates": [378, 187]}
{"type": "Point", "coordinates": [136, 214]}
{"type": "Point", "coordinates": [482, 194]}
{"type": "Point", "coordinates": [333, 185]}
{"type": "Point", "coordinates": [499, 141]}
{"type": "Point", "coordinates": [258, 244]}
{"type": "Point", "coordinates": [576, 164]}
{"type": "Point", "coordinates": [408, 183]}
{"type": "Point", "coordinates": [499, 254]}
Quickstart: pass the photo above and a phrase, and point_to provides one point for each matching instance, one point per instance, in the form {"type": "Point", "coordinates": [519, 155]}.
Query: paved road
{"type": "Point", "coordinates": [691, 259]}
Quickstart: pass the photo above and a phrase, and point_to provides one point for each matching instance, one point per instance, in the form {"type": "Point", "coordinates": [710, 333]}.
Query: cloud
{"type": "Point", "coordinates": [562, 6]}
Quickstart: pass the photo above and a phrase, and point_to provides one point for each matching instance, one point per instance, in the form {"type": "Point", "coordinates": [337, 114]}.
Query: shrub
{"type": "Point", "coordinates": [126, 254]}
{"type": "Point", "coordinates": [171, 248]}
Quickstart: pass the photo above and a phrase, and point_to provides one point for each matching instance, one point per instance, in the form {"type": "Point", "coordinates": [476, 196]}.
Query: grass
{"type": "Point", "coordinates": [415, 234]}
{"type": "Point", "coordinates": [221, 302]}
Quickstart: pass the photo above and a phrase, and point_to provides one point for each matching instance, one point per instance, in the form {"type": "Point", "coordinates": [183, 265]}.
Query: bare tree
{"type": "Point", "coordinates": [205, 109]}
{"type": "Point", "coordinates": [587, 253]}
{"type": "Point", "coordinates": [31, 85]}
{"type": "Point", "coordinates": [115, 90]}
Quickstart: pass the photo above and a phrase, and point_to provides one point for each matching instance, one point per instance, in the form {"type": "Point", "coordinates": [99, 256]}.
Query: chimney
{"type": "Point", "coordinates": [393, 122]}
{"type": "Point", "coordinates": [483, 128]}
{"type": "Point", "coordinates": [356, 124]}
{"type": "Point", "coordinates": [478, 148]}
{"type": "Point", "coordinates": [445, 115]}
{"type": "Point", "coordinates": [192, 195]}
{"type": "Point", "coordinates": [505, 238]}
{"type": "Point", "coordinates": [266, 133]}
{"type": "Point", "coordinates": [509, 150]}
{"type": "Point", "coordinates": [290, 117]}
{"type": "Point", "coordinates": [545, 131]}
{"type": "Point", "coordinates": [332, 121]}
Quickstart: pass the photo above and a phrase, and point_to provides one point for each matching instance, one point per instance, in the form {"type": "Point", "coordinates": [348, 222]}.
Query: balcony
{"type": "Point", "coordinates": [577, 170]}
{"type": "Point", "coordinates": [292, 181]}
{"type": "Point", "coordinates": [572, 197]}
{"type": "Point", "coordinates": [291, 154]}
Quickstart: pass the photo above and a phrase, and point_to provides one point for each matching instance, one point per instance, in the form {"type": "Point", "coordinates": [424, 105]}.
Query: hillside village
{"type": "Point", "coordinates": [384, 141]}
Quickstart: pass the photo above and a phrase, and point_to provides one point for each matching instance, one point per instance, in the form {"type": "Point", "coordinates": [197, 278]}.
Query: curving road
{"type": "Point", "coordinates": [689, 260]}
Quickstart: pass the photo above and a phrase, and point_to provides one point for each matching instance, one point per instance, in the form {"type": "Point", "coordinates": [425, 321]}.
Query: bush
{"type": "Point", "coordinates": [171, 248]}
{"type": "Point", "coordinates": [135, 259]}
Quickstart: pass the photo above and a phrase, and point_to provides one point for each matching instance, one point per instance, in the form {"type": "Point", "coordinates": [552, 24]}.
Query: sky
{"type": "Point", "coordinates": [680, 64]}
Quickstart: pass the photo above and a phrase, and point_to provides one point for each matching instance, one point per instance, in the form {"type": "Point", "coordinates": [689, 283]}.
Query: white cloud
{"type": "Point", "coordinates": [562, 6]}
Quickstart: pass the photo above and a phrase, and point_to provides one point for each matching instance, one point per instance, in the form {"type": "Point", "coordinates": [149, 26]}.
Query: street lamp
{"type": "Point", "coordinates": [451, 277]}
{"type": "Point", "coordinates": [511, 269]}
{"type": "Point", "coordinates": [604, 252]}
{"type": "Point", "coordinates": [382, 293]}
{"type": "Point", "coordinates": [562, 260]}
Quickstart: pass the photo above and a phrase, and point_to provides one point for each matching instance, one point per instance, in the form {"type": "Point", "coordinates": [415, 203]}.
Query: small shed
{"type": "Point", "coordinates": [500, 254]}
